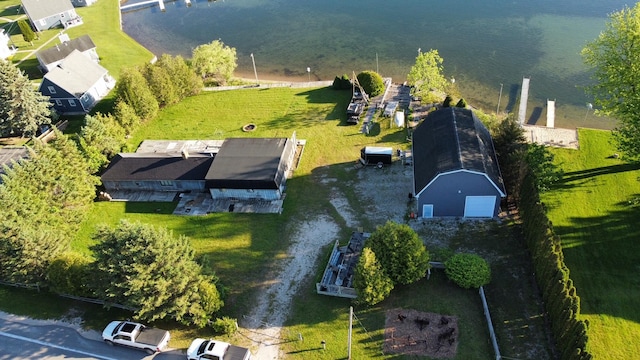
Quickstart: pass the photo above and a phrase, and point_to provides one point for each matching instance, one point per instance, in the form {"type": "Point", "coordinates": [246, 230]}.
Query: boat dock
{"type": "Point", "coordinates": [149, 3]}
{"type": "Point", "coordinates": [524, 97]}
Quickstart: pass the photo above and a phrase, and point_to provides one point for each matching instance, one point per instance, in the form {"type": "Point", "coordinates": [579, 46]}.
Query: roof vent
{"type": "Point", "coordinates": [185, 154]}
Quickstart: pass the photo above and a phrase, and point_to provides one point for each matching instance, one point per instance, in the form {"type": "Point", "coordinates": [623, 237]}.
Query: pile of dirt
{"type": "Point", "coordinates": [411, 332]}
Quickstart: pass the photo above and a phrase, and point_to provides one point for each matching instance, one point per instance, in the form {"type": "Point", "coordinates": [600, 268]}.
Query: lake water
{"type": "Point", "coordinates": [484, 43]}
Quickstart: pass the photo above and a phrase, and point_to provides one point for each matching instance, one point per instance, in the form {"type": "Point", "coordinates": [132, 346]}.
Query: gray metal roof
{"type": "Point", "coordinates": [76, 74]}
{"type": "Point", "coordinates": [247, 163]}
{"type": "Point", "coordinates": [40, 9]}
{"type": "Point", "coordinates": [453, 139]}
{"type": "Point", "coordinates": [61, 51]}
{"type": "Point", "coordinates": [132, 167]}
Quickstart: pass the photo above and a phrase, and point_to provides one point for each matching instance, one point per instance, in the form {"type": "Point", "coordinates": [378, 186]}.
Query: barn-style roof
{"type": "Point", "coordinates": [40, 9]}
{"type": "Point", "coordinates": [453, 139]}
{"type": "Point", "coordinates": [62, 50]}
{"type": "Point", "coordinates": [247, 163]}
{"type": "Point", "coordinates": [141, 166]}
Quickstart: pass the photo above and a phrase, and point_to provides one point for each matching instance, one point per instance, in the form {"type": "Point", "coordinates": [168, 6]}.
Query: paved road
{"type": "Point", "coordinates": [26, 341]}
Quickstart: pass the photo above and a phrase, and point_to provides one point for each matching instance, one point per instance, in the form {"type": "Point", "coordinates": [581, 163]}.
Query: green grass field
{"type": "Point", "coordinates": [593, 212]}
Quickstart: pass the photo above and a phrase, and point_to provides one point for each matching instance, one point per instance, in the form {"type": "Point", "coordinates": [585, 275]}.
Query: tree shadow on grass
{"type": "Point", "coordinates": [609, 245]}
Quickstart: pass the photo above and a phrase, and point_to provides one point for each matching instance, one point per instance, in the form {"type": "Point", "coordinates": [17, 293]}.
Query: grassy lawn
{"type": "Point", "coordinates": [592, 213]}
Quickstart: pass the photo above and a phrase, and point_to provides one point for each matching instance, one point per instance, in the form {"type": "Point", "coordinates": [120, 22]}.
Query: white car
{"type": "Point", "coordinates": [201, 349]}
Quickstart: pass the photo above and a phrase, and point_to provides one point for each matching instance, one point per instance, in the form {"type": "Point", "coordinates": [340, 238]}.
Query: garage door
{"type": "Point", "coordinates": [479, 206]}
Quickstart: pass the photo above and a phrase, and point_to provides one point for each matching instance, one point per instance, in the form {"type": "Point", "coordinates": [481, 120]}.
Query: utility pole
{"type": "Point", "coordinates": [350, 327]}
{"type": "Point", "coordinates": [499, 98]}
{"type": "Point", "coordinates": [254, 67]}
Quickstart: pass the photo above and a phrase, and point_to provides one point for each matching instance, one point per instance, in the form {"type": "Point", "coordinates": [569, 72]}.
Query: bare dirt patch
{"type": "Point", "coordinates": [411, 332]}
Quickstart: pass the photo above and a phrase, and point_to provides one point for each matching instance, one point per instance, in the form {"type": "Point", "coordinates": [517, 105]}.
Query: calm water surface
{"type": "Point", "coordinates": [483, 43]}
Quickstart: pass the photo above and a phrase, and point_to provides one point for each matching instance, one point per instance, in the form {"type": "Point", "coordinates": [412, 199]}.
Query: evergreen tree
{"type": "Point", "coordinates": [151, 270]}
{"type": "Point", "coordinates": [370, 281]}
{"type": "Point", "coordinates": [184, 78]}
{"type": "Point", "coordinates": [126, 116]}
{"type": "Point", "coordinates": [132, 88]}
{"type": "Point", "coordinates": [447, 102]}
{"type": "Point", "coordinates": [22, 108]}
{"type": "Point", "coordinates": [400, 252]}
{"type": "Point", "coordinates": [43, 199]}
{"type": "Point", "coordinates": [161, 84]}
{"type": "Point", "coordinates": [461, 103]}
{"type": "Point", "coordinates": [27, 32]}
{"type": "Point", "coordinates": [104, 133]}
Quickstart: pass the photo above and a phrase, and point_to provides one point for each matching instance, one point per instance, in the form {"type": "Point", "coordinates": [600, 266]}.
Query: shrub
{"type": "Point", "coordinates": [225, 325]}
{"type": "Point", "coordinates": [342, 82]}
{"type": "Point", "coordinates": [468, 270]}
{"type": "Point", "coordinates": [447, 102]}
{"type": "Point", "coordinates": [461, 104]}
{"type": "Point", "coordinates": [371, 83]}
{"type": "Point", "coordinates": [69, 274]}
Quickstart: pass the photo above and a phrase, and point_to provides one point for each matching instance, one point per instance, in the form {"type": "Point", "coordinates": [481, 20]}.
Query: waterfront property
{"type": "Point", "coordinates": [76, 84]}
{"type": "Point", "coordinates": [456, 171]}
{"type": "Point", "coordinates": [53, 56]}
{"type": "Point", "coordinates": [227, 171]}
{"type": "Point", "coordinates": [49, 14]}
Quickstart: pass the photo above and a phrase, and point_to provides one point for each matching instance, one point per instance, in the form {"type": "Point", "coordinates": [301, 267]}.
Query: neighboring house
{"type": "Point", "coordinates": [83, 2]}
{"type": "Point", "coordinates": [48, 14]}
{"type": "Point", "coordinates": [455, 172]}
{"type": "Point", "coordinates": [53, 56]}
{"type": "Point", "coordinates": [6, 50]}
{"type": "Point", "coordinates": [76, 84]}
{"type": "Point", "coordinates": [243, 168]}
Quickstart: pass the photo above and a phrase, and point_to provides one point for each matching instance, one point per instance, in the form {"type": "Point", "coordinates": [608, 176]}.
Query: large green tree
{"type": "Point", "coordinates": [184, 78]}
{"type": "Point", "coordinates": [22, 107]}
{"type": "Point", "coordinates": [151, 270]}
{"type": "Point", "coordinates": [427, 73]}
{"type": "Point", "coordinates": [400, 252]}
{"type": "Point", "coordinates": [160, 84]}
{"type": "Point", "coordinates": [132, 88]}
{"type": "Point", "coordinates": [214, 61]}
{"type": "Point", "coordinates": [613, 58]}
{"type": "Point", "coordinates": [370, 281]}
{"type": "Point", "coordinates": [43, 199]}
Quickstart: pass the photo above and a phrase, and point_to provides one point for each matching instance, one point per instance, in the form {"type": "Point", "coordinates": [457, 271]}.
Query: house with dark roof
{"type": "Point", "coordinates": [76, 84]}
{"type": "Point", "coordinates": [156, 172]}
{"type": "Point", "coordinates": [456, 172]}
{"type": "Point", "coordinates": [237, 168]}
{"type": "Point", "coordinates": [251, 168]}
{"type": "Point", "coordinates": [53, 56]}
{"type": "Point", "coordinates": [6, 50]}
{"type": "Point", "coordinates": [48, 14]}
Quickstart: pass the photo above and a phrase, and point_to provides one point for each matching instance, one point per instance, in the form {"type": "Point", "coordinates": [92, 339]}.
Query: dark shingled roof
{"type": "Point", "coordinates": [61, 51]}
{"type": "Point", "coordinates": [453, 139]}
{"type": "Point", "coordinates": [247, 163]}
{"type": "Point", "coordinates": [132, 167]}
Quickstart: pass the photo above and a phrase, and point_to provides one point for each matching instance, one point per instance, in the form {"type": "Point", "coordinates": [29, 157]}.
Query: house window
{"type": "Point", "coordinates": [58, 102]}
{"type": "Point", "coordinates": [52, 90]}
{"type": "Point", "coordinates": [72, 102]}
{"type": "Point", "coordinates": [43, 22]}
{"type": "Point", "coordinates": [427, 211]}
{"type": "Point", "coordinates": [166, 183]}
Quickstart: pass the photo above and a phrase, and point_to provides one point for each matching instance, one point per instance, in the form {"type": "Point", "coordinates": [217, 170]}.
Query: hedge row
{"type": "Point", "coordinates": [561, 302]}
